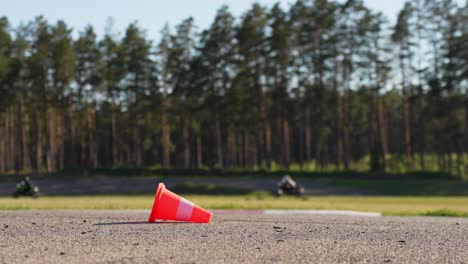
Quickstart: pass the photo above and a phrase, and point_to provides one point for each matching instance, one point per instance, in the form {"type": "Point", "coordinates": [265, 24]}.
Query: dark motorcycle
{"type": "Point", "coordinates": [26, 188]}
{"type": "Point", "coordinates": [289, 187]}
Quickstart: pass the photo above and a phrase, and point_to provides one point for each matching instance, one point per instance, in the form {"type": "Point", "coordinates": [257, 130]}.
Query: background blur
{"type": "Point", "coordinates": [295, 86]}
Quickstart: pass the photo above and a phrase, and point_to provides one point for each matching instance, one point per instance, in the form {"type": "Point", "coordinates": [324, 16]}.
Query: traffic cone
{"type": "Point", "coordinates": [170, 206]}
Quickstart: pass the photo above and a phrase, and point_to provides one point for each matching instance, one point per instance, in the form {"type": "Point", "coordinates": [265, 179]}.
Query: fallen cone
{"type": "Point", "coordinates": [169, 206]}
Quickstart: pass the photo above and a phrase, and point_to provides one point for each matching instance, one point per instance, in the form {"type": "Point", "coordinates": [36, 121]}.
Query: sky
{"type": "Point", "coordinates": [151, 15]}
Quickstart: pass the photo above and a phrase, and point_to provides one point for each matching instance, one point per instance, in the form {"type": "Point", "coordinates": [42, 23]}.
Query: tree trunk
{"type": "Point", "coordinates": [25, 138]}
{"type": "Point", "coordinates": [186, 135]}
{"type": "Point", "coordinates": [286, 143]}
{"type": "Point", "coordinates": [260, 145]}
{"type": "Point", "coordinates": [61, 136]}
{"type": "Point", "coordinates": [39, 146]}
{"type": "Point", "coordinates": [347, 71]}
{"type": "Point", "coordinates": [166, 130]}
{"type": "Point", "coordinates": [464, 147]}
{"type": "Point", "coordinates": [258, 149]}
{"type": "Point", "coordinates": [338, 121]}
{"type": "Point", "coordinates": [268, 144]}
{"type": "Point", "coordinates": [301, 135]}
{"type": "Point", "coordinates": [199, 151]}
{"type": "Point", "coordinates": [17, 130]}
{"type": "Point", "coordinates": [346, 131]}
{"type": "Point", "coordinates": [232, 147]}
{"type": "Point", "coordinates": [137, 135]}
{"type": "Point", "coordinates": [339, 128]}
{"type": "Point", "coordinates": [84, 135]}
{"type": "Point", "coordinates": [93, 150]}
{"type": "Point", "coordinates": [254, 154]}
{"type": "Point", "coordinates": [373, 138]}
{"type": "Point", "coordinates": [406, 118]}
{"type": "Point", "coordinates": [422, 152]}
{"type": "Point", "coordinates": [45, 115]}
{"type": "Point", "coordinates": [138, 150]}
{"type": "Point", "coordinates": [2, 145]}
{"type": "Point", "coordinates": [91, 146]}
{"type": "Point", "coordinates": [219, 147]}
{"type": "Point", "coordinates": [308, 134]}
{"type": "Point", "coordinates": [406, 106]}
{"type": "Point", "coordinates": [15, 141]}
{"type": "Point", "coordinates": [166, 144]}
{"type": "Point", "coordinates": [114, 141]}
{"type": "Point", "coordinates": [51, 137]}
{"type": "Point", "coordinates": [239, 148]}
{"type": "Point", "coordinates": [73, 136]}
{"type": "Point", "coordinates": [459, 161]}
{"type": "Point", "coordinates": [383, 128]}
{"type": "Point", "coordinates": [246, 160]}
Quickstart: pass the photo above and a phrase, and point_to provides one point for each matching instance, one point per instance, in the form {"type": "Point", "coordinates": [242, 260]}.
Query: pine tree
{"type": "Point", "coordinates": [88, 80]}
{"type": "Point", "coordinates": [63, 70]}
{"type": "Point", "coordinates": [251, 41]}
{"type": "Point", "coordinates": [402, 37]}
{"type": "Point", "coordinates": [217, 52]}
{"type": "Point", "coordinates": [40, 67]}
{"type": "Point", "coordinates": [135, 53]}
{"type": "Point", "coordinates": [7, 138]}
{"type": "Point", "coordinates": [277, 75]}
{"type": "Point", "coordinates": [182, 52]}
{"type": "Point", "coordinates": [21, 85]}
{"type": "Point", "coordinates": [164, 50]}
{"type": "Point", "coordinates": [111, 71]}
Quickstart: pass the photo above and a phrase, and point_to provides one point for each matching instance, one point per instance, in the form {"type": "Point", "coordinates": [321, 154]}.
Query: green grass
{"type": "Point", "coordinates": [394, 206]}
{"type": "Point", "coordinates": [445, 212]}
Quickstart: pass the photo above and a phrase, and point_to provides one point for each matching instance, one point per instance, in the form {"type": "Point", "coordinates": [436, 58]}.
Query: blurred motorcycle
{"type": "Point", "coordinates": [289, 187]}
{"type": "Point", "coordinates": [26, 188]}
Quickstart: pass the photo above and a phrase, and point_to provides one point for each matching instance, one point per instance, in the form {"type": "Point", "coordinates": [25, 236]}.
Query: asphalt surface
{"type": "Point", "coordinates": [125, 237]}
{"type": "Point", "coordinates": [119, 185]}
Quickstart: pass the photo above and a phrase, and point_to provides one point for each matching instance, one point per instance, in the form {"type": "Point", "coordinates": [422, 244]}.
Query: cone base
{"type": "Point", "coordinates": [157, 197]}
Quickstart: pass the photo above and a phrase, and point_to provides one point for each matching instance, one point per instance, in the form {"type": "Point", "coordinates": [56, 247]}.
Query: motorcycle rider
{"type": "Point", "coordinates": [28, 183]}
{"type": "Point", "coordinates": [288, 186]}
{"type": "Point", "coordinates": [26, 188]}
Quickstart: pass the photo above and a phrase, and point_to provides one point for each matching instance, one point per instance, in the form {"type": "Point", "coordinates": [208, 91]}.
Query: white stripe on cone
{"type": "Point", "coordinates": [184, 212]}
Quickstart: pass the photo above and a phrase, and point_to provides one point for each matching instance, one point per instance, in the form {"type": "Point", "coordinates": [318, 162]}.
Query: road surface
{"type": "Point", "coordinates": [119, 185]}
{"type": "Point", "coordinates": [125, 237]}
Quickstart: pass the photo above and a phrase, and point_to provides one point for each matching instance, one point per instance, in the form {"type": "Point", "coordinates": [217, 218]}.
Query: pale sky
{"type": "Point", "coordinates": [150, 14]}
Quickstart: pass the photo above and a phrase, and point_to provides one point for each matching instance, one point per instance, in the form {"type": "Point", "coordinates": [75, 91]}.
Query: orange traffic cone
{"type": "Point", "coordinates": [169, 206]}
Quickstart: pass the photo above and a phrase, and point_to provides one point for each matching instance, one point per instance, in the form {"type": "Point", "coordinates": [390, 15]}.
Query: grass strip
{"type": "Point", "coordinates": [388, 205]}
